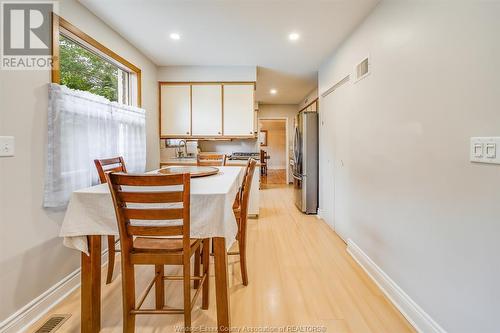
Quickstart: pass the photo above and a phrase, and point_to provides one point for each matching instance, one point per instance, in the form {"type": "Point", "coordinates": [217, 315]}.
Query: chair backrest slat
{"type": "Point", "coordinates": [103, 166]}
{"type": "Point", "coordinates": [150, 197]}
{"type": "Point", "coordinates": [139, 208]}
{"type": "Point", "coordinates": [156, 231]}
{"type": "Point", "coordinates": [153, 214]}
{"type": "Point", "coordinates": [211, 159]}
{"type": "Point", "coordinates": [148, 180]}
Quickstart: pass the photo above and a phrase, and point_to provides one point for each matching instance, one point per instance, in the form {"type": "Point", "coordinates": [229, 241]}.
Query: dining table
{"type": "Point", "coordinates": [90, 215]}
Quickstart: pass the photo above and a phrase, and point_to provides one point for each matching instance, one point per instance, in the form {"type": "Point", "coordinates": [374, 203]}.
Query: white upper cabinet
{"type": "Point", "coordinates": [238, 109]}
{"type": "Point", "coordinates": [175, 110]}
{"type": "Point", "coordinates": [207, 109]}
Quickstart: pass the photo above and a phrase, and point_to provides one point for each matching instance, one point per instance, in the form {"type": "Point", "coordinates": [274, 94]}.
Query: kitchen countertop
{"type": "Point", "coordinates": [192, 161]}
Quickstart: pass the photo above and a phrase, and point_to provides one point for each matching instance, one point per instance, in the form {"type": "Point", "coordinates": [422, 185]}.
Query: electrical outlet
{"type": "Point", "coordinates": [6, 146]}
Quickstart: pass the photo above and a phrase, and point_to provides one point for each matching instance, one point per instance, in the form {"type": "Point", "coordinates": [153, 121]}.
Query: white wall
{"type": "Point", "coordinates": [407, 193]}
{"type": "Point", "coordinates": [32, 257]}
{"type": "Point", "coordinates": [207, 73]}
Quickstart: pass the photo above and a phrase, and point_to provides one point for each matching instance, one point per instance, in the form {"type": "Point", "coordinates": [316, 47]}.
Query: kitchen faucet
{"type": "Point", "coordinates": [180, 153]}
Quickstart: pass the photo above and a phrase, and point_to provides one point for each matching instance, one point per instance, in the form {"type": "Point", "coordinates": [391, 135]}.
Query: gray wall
{"type": "Point", "coordinates": [32, 257]}
{"type": "Point", "coordinates": [395, 151]}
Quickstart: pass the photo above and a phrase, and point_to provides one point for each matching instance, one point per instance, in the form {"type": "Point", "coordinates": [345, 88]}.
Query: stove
{"type": "Point", "coordinates": [244, 156]}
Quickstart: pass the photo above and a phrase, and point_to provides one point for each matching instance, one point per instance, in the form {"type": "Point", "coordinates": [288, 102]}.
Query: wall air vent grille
{"type": "Point", "coordinates": [362, 69]}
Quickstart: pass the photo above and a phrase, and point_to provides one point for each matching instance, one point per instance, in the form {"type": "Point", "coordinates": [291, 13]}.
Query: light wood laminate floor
{"type": "Point", "coordinates": [274, 176]}
{"type": "Point", "coordinates": [299, 273]}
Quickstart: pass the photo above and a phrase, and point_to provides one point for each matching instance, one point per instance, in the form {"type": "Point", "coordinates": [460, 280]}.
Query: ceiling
{"type": "Point", "coordinates": [237, 33]}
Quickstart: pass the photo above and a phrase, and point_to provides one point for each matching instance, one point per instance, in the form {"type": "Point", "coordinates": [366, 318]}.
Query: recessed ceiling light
{"type": "Point", "coordinates": [293, 36]}
{"type": "Point", "coordinates": [175, 36]}
{"type": "Point", "coordinates": [273, 91]}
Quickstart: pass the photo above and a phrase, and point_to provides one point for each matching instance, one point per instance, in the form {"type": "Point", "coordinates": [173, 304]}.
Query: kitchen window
{"type": "Point", "coordinates": [82, 63]}
{"type": "Point", "coordinates": [93, 113]}
{"type": "Point", "coordinates": [83, 69]}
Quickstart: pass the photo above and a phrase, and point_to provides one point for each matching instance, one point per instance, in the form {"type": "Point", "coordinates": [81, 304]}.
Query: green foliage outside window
{"type": "Point", "coordinates": [82, 69]}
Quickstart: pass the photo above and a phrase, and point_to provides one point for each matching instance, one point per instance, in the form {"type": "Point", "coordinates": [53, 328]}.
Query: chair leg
{"type": "Point", "coordinates": [206, 271]}
{"type": "Point", "coordinates": [160, 286]}
{"type": "Point", "coordinates": [111, 258]}
{"type": "Point", "coordinates": [187, 291]}
{"type": "Point", "coordinates": [197, 263]}
{"type": "Point", "coordinates": [242, 240]}
{"type": "Point", "coordinates": [128, 292]}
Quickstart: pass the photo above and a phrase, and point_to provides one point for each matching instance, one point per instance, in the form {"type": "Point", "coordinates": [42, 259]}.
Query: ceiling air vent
{"type": "Point", "coordinates": [53, 323]}
{"type": "Point", "coordinates": [362, 69]}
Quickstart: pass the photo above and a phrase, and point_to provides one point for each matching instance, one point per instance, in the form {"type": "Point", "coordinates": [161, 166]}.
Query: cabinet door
{"type": "Point", "coordinates": [238, 109]}
{"type": "Point", "coordinates": [207, 109]}
{"type": "Point", "coordinates": [175, 110]}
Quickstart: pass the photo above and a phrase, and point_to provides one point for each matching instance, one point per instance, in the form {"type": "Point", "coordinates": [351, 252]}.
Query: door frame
{"type": "Point", "coordinates": [287, 158]}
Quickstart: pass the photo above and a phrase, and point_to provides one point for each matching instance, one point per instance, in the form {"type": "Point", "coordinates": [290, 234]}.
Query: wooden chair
{"type": "Point", "coordinates": [142, 243]}
{"type": "Point", "coordinates": [115, 164]}
{"type": "Point", "coordinates": [240, 209]}
{"type": "Point", "coordinates": [211, 159]}
{"type": "Point", "coordinates": [263, 162]}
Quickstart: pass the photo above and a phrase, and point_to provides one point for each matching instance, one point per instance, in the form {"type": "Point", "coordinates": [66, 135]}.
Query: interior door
{"type": "Point", "coordinates": [335, 136]}
{"type": "Point", "coordinates": [207, 109]}
{"type": "Point", "coordinates": [326, 170]}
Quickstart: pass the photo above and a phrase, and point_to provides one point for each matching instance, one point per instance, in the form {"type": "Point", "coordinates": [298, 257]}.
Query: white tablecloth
{"type": "Point", "coordinates": [90, 210]}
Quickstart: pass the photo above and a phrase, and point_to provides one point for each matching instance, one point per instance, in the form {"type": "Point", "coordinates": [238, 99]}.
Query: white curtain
{"type": "Point", "coordinates": [83, 127]}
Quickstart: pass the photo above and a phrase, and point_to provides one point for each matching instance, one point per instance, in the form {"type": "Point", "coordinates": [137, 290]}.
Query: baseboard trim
{"type": "Point", "coordinates": [320, 214]}
{"type": "Point", "coordinates": [417, 317]}
{"type": "Point", "coordinates": [29, 314]}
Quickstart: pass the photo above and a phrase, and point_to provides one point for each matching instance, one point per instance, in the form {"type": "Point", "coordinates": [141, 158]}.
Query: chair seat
{"type": "Point", "coordinates": [145, 244]}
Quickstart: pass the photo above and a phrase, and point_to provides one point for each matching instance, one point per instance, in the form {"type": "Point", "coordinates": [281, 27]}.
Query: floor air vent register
{"type": "Point", "coordinates": [53, 323]}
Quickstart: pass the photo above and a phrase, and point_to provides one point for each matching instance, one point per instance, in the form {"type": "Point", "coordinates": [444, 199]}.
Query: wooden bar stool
{"type": "Point", "coordinates": [240, 209]}
{"type": "Point", "coordinates": [115, 164]}
{"type": "Point", "coordinates": [155, 214]}
{"type": "Point", "coordinates": [211, 159]}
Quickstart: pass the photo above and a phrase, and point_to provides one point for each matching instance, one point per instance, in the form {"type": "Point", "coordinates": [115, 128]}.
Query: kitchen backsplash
{"type": "Point", "coordinates": [228, 147]}
{"type": "Point", "coordinates": [244, 146]}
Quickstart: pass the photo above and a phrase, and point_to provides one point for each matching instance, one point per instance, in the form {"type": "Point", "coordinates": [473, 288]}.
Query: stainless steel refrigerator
{"type": "Point", "coordinates": [305, 168]}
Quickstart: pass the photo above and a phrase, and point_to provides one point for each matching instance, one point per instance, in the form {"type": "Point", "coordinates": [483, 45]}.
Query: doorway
{"type": "Point", "coordinates": [273, 140]}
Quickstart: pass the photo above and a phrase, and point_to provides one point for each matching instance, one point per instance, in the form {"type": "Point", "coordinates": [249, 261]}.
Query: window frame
{"type": "Point", "coordinates": [59, 25]}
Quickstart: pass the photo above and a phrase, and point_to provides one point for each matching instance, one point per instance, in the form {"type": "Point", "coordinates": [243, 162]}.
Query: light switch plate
{"type": "Point", "coordinates": [6, 146]}
{"type": "Point", "coordinates": [484, 150]}
{"type": "Point", "coordinates": [491, 150]}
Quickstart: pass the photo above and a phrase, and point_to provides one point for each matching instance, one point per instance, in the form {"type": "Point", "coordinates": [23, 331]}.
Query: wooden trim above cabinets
{"type": "Point", "coordinates": [308, 105]}
{"type": "Point", "coordinates": [208, 137]}
{"type": "Point", "coordinates": [176, 83]}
